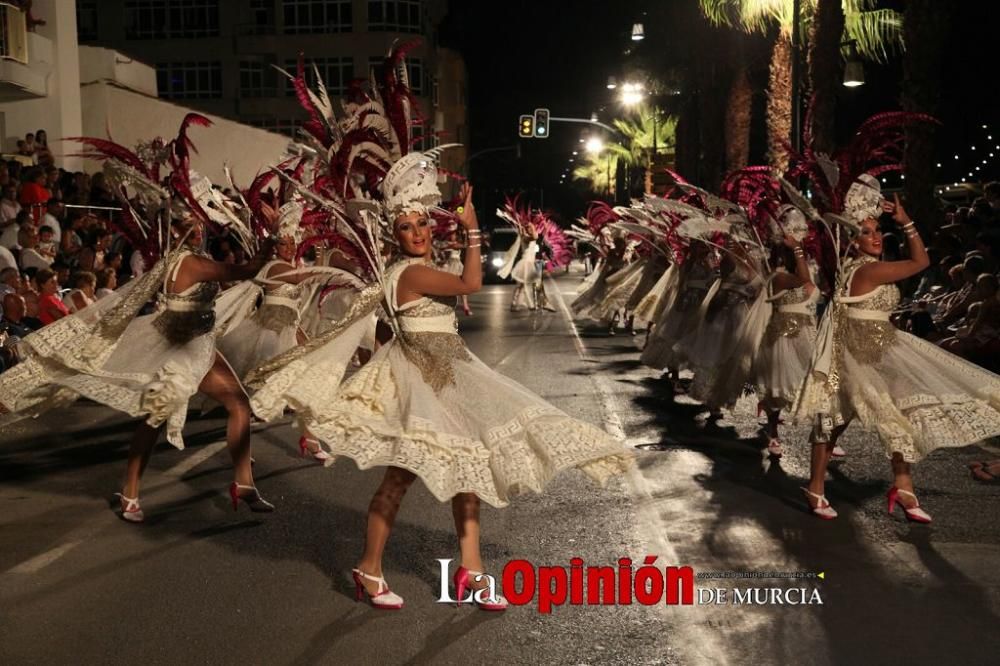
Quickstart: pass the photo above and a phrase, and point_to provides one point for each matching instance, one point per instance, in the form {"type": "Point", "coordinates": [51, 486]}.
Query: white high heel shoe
{"type": "Point", "coordinates": [383, 598]}
{"type": "Point", "coordinates": [131, 511]}
{"type": "Point", "coordinates": [822, 509]}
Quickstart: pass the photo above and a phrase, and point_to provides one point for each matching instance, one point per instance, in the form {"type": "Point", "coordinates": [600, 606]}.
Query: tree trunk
{"type": "Point", "coordinates": [925, 26]}
{"type": "Point", "coordinates": [779, 102]}
{"type": "Point", "coordinates": [738, 117]}
{"type": "Point", "coordinates": [825, 72]}
{"type": "Point", "coordinates": [688, 133]}
{"type": "Point", "coordinates": [712, 121]}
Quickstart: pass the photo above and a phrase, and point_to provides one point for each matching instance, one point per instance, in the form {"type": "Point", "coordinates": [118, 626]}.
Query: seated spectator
{"type": "Point", "coordinates": [83, 292]}
{"type": "Point", "coordinates": [72, 239]}
{"type": "Point", "coordinates": [9, 208]}
{"type": "Point", "coordinates": [14, 321]}
{"type": "Point", "coordinates": [43, 156]}
{"type": "Point", "coordinates": [10, 281]}
{"type": "Point", "coordinates": [7, 259]}
{"type": "Point", "coordinates": [13, 328]}
{"type": "Point", "coordinates": [62, 271]}
{"type": "Point", "coordinates": [137, 263]}
{"type": "Point", "coordinates": [34, 196]}
{"type": "Point", "coordinates": [957, 307]}
{"type": "Point", "coordinates": [53, 218]}
{"type": "Point", "coordinates": [46, 244]}
{"type": "Point", "coordinates": [113, 260]}
{"type": "Point", "coordinates": [22, 148]}
{"type": "Point", "coordinates": [29, 291]}
{"type": "Point", "coordinates": [50, 306]}
{"type": "Point", "coordinates": [982, 325]}
{"type": "Point", "coordinates": [107, 282]}
{"type": "Point", "coordinates": [30, 257]}
{"type": "Point", "coordinates": [92, 254]}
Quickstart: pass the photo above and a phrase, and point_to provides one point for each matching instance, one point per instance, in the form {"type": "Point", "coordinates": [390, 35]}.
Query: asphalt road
{"type": "Point", "coordinates": [200, 584]}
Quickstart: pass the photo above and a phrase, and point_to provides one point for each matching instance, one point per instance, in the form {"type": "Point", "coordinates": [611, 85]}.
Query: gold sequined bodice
{"type": "Point", "coordinates": [785, 324]}
{"type": "Point", "coordinates": [432, 346]}
{"type": "Point", "coordinates": [861, 332]}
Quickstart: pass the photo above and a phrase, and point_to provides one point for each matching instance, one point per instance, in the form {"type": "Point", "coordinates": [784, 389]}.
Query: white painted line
{"type": "Point", "coordinates": [43, 560]}
{"type": "Point", "coordinates": [693, 625]}
{"type": "Point", "coordinates": [193, 460]}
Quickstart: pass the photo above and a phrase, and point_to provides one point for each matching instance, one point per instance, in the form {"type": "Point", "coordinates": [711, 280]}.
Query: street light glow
{"type": "Point", "coordinates": [594, 145]}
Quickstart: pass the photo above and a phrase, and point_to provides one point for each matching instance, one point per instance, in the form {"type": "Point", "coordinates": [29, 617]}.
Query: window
{"type": "Point", "coordinates": [286, 126]}
{"type": "Point", "coordinates": [257, 79]}
{"type": "Point", "coordinates": [336, 73]}
{"type": "Point", "coordinates": [436, 93]}
{"type": "Point", "coordinates": [189, 80]}
{"type": "Point", "coordinates": [394, 16]}
{"type": "Point", "coordinates": [86, 20]}
{"type": "Point", "coordinates": [415, 71]}
{"type": "Point", "coordinates": [166, 19]}
{"type": "Point", "coordinates": [317, 16]}
{"type": "Point", "coordinates": [261, 18]}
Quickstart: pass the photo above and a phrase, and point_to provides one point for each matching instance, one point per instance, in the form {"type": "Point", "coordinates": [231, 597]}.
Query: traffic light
{"type": "Point", "coordinates": [541, 123]}
{"type": "Point", "coordinates": [526, 129]}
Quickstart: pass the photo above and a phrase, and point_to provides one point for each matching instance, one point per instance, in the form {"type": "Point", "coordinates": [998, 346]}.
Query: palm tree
{"type": "Point", "coordinates": [877, 33]}
{"type": "Point", "coordinates": [634, 147]}
{"type": "Point", "coordinates": [926, 23]}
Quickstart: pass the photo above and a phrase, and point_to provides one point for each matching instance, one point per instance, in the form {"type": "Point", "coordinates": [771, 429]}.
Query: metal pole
{"type": "Point", "coordinates": [796, 137]}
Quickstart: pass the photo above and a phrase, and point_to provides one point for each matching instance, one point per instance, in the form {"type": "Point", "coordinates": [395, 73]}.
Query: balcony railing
{"type": "Point", "coordinates": [13, 33]}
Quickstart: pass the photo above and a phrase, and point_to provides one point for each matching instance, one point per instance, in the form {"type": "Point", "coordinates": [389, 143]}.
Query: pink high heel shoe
{"type": "Point", "coordinates": [383, 599]}
{"type": "Point", "coordinates": [916, 514]}
{"type": "Point", "coordinates": [461, 580]}
{"type": "Point", "coordinates": [252, 499]}
{"type": "Point", "coordinates": [319, 456]}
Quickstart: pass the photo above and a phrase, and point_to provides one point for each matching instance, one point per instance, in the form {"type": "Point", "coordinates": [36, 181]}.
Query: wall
{"type": "Point", "coordinates": [59, 113]}
{"type": "Point", "coordinates": [98, 64]}
{"type": "Point", "coordinates": [131, 117]}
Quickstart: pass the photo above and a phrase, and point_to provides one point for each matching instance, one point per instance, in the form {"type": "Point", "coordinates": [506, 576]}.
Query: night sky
{"type": "Point", "coordinates": [525, 54]}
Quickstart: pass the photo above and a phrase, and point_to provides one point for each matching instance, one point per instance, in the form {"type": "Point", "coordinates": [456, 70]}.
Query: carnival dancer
{"type": "Point", "coordinates": [417, 407]}
{"type": "Point", "coordinates": [917, 396]}
{"type": "Point", "coordinates": [681, 312]}
{"type": "Point", "coordinates": [601, 300]}
{"type": "Point", "coordinates": [782, 361]}
{"type": "Point", "coordinates": [149, 366]}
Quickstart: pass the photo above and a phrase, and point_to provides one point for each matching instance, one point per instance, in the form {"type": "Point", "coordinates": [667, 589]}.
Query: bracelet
{"type": "Point", "coordinates": [908, 225]}
{"type": "Point", "coordinates": [798, 251]}
{"type": "Point", "coordinates": [469, 247]}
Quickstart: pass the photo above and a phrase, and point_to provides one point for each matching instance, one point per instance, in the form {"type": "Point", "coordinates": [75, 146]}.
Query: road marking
{"type": "Point", "coordinates": [43, 560]}
{"type": "Point", "coordinates": [697, 634]}
{"type": "Point", "coordinates": [193, 460]}
{"type": "Point", "coordinates": [79, 535]}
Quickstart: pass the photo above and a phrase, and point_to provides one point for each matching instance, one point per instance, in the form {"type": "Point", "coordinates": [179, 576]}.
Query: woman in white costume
{"type": "Point", "coordinates": [424, 406]}
{"type": "Point", "coordinates": [783, 358]}
{"type": "Point", "coordinates": [917, 396]}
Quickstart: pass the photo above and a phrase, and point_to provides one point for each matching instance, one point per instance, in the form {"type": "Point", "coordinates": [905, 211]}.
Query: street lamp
{"type": "Point", "coordinates": [631, 94]}
{"type": "Point", "coordinates": [594, 145]}
{"type": "Point", "coordinates": [612, 83]}
{"type": "Point", "coordinates": [638, 34]}
{"type": "Point", "coordinates": [854, 70]}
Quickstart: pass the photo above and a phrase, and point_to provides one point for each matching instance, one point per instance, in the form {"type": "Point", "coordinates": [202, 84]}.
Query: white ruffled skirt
{"type": "Point", "coordinates": [917, 396]}
{"type": "Point", "coordinates": [781, 367]}
{"type": "Point", "coordinates": [483, 434]}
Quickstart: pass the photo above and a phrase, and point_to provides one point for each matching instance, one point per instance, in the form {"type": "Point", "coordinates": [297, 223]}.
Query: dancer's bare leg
{"type": "Point", "coordinates": [381, 516]}
{"type": "Point", "coordinates": [222, 385]}
{"type": "Point", "coordinates": [139, 453]}
{"type": "Point", "coordinates": [465, 509]}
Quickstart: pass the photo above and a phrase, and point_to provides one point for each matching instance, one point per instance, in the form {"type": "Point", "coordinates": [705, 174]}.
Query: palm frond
{"type": "Point", "coordinates": [878, 33]}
